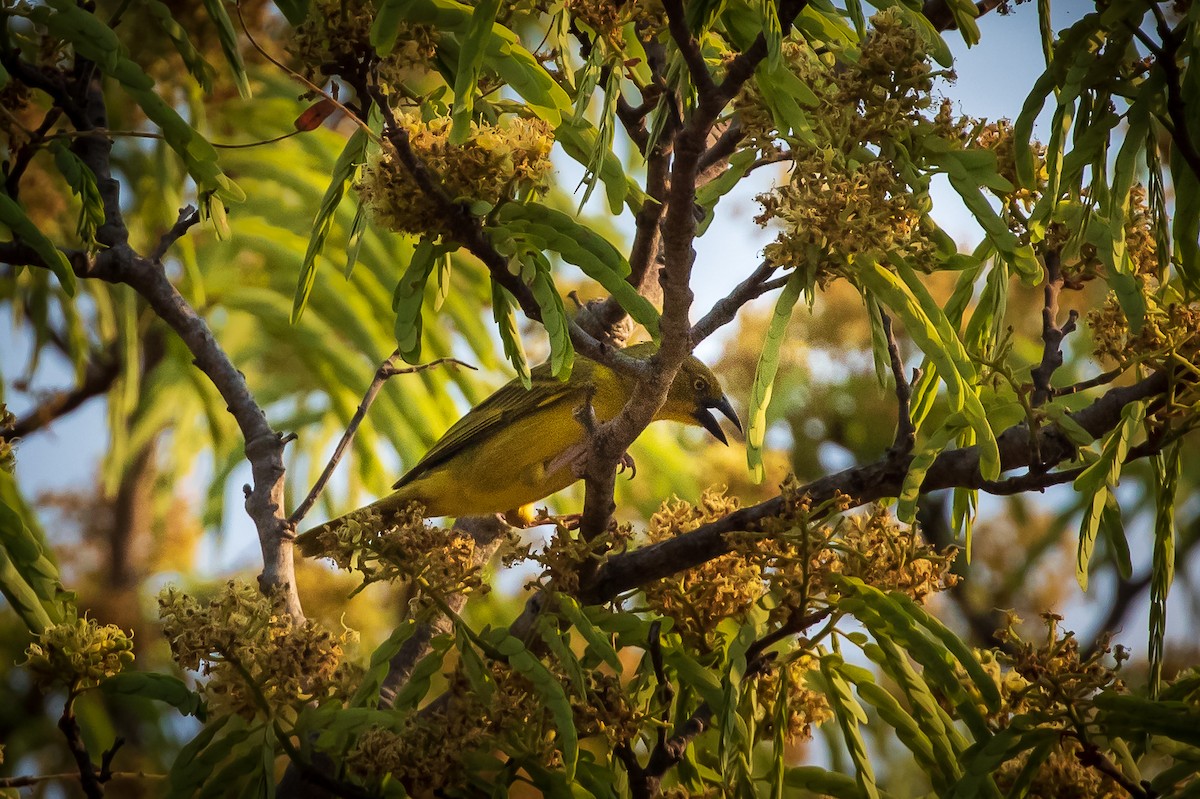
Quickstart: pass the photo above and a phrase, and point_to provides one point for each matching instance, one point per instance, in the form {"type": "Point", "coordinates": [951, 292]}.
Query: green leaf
{"type": "Point", "coordinates": [601, 261]}
{"type": "Point", "coordinates": [822, 782]}
{"type": "Point", "coordinates": [293, 10]}
{"type": "Point", "coordinates": [551, 692]}
{"type": "Point", "coordinates": [152, 685]}
{"type": "Point", "coordinates": [764, 373]}
{"type": "Point", "coordinates": [849, 715]}
{"type": "Point", "coordinates": [510, 336]}
{"type": "Point", "coordinates": [946, 352]}
{"type": "Point", "coordinates": [83, 184]}
{"type": "Point", "coordinates": [25, 231]}
{"type": "Point", "coordinates": [229, 44]}
{"type": "Point", "coordinates": [1099, 479]}
{"type": "Point", "coordinates": [408, 697]}
{"type": "Point", "coordinates": [1162, 564]}
{"type": "Point", "coordinates": [470, 62]}
{"type": "Point", "coordinates": [409, 299]}
{"type": "Point", "coordinates": [923, 458]}
{"type": "Point", "coordinates": [597, 641]}
{"type": "Point", "coordinates": [343, 170]}
{"type": "Point", "coordinates": [368, 689]}
{"type": "Point", "coordinates": [197, 66]}
{"type": "Point", "coordinates": [554, 318]}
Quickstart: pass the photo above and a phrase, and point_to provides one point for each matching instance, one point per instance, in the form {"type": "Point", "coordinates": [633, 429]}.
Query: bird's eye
{"type": "Point", "coordinates": [700, 384]}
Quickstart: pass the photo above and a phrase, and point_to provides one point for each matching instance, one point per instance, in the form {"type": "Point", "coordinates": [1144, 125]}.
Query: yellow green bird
{"type": "Point", "coordinates": [519, 446]}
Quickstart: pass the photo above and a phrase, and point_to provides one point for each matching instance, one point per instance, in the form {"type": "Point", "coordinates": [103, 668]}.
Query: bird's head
{"type": "Point", "coordinates": [695, 394]}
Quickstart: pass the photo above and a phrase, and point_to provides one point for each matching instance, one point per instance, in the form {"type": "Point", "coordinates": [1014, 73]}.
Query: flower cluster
{"type": "Point", "coordinates": [1063, 775]}
{"type": "Point", "coordinates": [435, 560]}
{"type": "Point", "coordinates": [698, 599]}
{"type": "Point", "coordinates": [1053, 683]}
{"type": "Point", "coordinates": [495, 163]}
{"type": "Point", "coordinates": [876, 549]}
{"type": "Point", "coordinates": [257, 660]}
{"type": "Point", "coordinates": [800, 706]}
{"type": "Point", "coordinates": [335, 39]}
{"type": "Point", "coordinates": [851, 189]}
{"type": "Point", "coordinates": [566, 552]}
{"type": "Point", "coordinates": [79, 654]}
{"type": "Point", "coordinates": [1060, 679]}
{"type": "Point", "coordinates": [998, 137]}
{"type": "Point", "coordinates": [1170, 328]}
{"type": "Point", "coordinates": [8, 459]}
{"type": "Point", "coordinates": [607, 17]}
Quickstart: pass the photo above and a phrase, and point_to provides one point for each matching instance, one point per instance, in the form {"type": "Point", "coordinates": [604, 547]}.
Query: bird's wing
{"type": "Point", "coordinates": [509, 403]}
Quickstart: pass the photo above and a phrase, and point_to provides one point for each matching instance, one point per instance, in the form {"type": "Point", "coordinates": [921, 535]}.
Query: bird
{"type": "Point", "coordinates": [521, 445]}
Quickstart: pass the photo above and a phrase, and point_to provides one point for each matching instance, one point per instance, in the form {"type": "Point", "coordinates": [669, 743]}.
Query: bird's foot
{"type": "Point", "coordinates": [627, 462]}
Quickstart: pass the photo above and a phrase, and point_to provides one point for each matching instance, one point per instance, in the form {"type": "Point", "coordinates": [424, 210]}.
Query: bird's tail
{"type": "Point", "coordinates": [321, 541]}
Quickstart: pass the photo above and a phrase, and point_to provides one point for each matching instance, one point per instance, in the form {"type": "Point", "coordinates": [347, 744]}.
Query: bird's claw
{"type": "Point", "coordinates": [627, 462]}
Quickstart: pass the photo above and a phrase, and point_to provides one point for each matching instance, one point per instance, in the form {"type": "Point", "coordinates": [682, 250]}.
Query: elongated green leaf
{"type": "Point", "coordinates": [368, 689]}
{"type": "Point", "coordinates": [151, 685]}
{"type": "Point", "coordinates": [409, 299]}
{"type": "Point", "coordinates": [906, 508]}
{"type": "Point", "coordinates": [554, 318]}
{"type": "Point", "coordinates": [229, 44]}
{"type": "Point", "coordinates": [470, 61]}
{"type": "Point", "coordinates": [764, 374]}
{"type": "Point", "coordinates": [343, 170]}
{"type": "Point", "coordinates": [197, 66]}
{"type": "Point", "coordinates": [510, 336]}
{"type": "Point", "coordinates": [578, 245]}
{"type": "Point", "coordinates": [1162, 565]}
{"type": "Point", "coordinates": [596, 640]}
{"type": "Point", "coordinates": [13, 217]}
{"type": "Point", "coordinates": [894, 293]}
{"type": "Point", "coordinates": [823, 782]}
{"type": "Point", "coordinates": [1098, 481]}
{"type": "Point", "coordinates": [849, 715]}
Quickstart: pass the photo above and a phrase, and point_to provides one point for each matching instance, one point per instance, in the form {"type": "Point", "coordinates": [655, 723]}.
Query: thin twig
{"type": "Point", "coordinates": [188, 216]}
{"type": "Point", "coordinates": [31, 780]}
{"type": "Point", "coordinates": [89, 779]}
{"type": "Point", "coordinates": [312, 87]}
{"type": "Point", "coordinates": [725, 310]}
{"type": "Point", "coordinates": [1052, 333]}
{"type": "Point", "coordinates": [386, 369]}
{"type": "Point", "coordinates": [906, 431]}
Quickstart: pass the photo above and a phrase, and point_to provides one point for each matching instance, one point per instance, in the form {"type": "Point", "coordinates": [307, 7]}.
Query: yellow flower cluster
{"type": "Point", "coordinates": [495, 163]}
{"type": "Point", "coordinates": [335, 39]}
{"type": "Point", "coordinates": [436, 560]}
{"type": "Point", "coordinates": [998, 137]}
{"type": "Point", "coordinates": [1168, 330]}
{"type": "Point", "coordinates": [8, 458]}
{"type": "Point", "coordinates": [699, 599]}
{"type": "Point", "coordinates": [804, 706]}
{"type": "Point", "coordinates": [874, 548]}
{"type": "Point", "coordinates": [79, 654]}
{"type": "Point", "coordinates": [1053, 683]}
{"type": "Point", "coordinates": [607, 17]}
{"type": "Point", "coordinates": [848, 194]}
{"type": "Point", "coordinates": [1061, 776]}
{"type": "Point", "coordinates": [258, 662]}
{"type": "Point", "coordinates": [1060, 678]}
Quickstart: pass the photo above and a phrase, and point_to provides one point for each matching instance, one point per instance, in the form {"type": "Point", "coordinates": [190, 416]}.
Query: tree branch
{"type": "Point", "coordinates": [756, 284]}
{"type": "Point", "coordinates": [81, 97]}
{"type": "Point", "coordinates": [98, 377]}
{"type": "Point", "coordinates": [865, 484]}
{"type": "Point", "coordinates": [1052, 333]}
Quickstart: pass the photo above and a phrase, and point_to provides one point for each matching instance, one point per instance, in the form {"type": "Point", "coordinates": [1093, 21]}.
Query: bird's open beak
{"type": "Point", "coordinates": [709, 422]}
